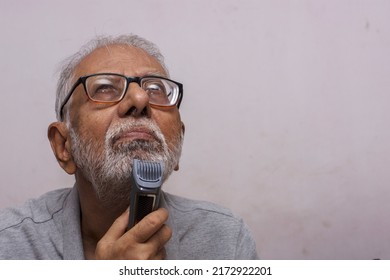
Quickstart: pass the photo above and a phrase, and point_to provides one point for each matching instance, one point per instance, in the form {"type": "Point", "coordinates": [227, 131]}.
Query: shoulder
{"type": "Point", "coordinates": [205, 230]}
{"type": "Point", "coordinates": [185, 205]}
{"type": "Point", "coordinates": [38, 211]}
{"type": "Point", "coordinates": [33, 230]}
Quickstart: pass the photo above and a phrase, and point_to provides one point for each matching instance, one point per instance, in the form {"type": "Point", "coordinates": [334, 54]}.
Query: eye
{"type": "Point", "coordinates": [161, 91]}
{"type": "Point", "coordinates": [104, 92]}
{"type": "Point", "coordinates": [155, 87]}
{"type": "Point", "coordinates": [157, 92]}
{"type": "Point", "coordinates": [105, 88]}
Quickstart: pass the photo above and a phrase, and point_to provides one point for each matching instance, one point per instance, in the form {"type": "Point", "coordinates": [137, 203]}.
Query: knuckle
{"type": "Point", "coordinates": [101, 250]}
{"type": "Point", "coordinates": [157, 218]}
{"type": "Point", "coordinates": [144, 255]}
{"type": "Point", "coordinates": [154, 220]}
{"type": "Point", "coordinates": [101, 245]}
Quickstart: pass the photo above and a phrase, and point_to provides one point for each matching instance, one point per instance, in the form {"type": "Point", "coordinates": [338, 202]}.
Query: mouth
{"type": "Point", "coordinates": [135, 134]}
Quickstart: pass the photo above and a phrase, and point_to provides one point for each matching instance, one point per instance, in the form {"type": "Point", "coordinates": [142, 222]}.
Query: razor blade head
{"type": "Point", "coordinates": [148, 174]}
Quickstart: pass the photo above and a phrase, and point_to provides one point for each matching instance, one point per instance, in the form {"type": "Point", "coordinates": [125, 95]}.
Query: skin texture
{"type": "Point", "coordinates": [104, 229]}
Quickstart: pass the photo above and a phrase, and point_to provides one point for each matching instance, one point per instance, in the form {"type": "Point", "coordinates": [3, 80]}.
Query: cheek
{"type": "Point", "coordinates": [92, 127]}
{"type": "Point", "coordinates": [89, 119]}
{"type": "Point", "coordinates": [172, 134]}
{"type": "Point", "coordinates": [170, 125]}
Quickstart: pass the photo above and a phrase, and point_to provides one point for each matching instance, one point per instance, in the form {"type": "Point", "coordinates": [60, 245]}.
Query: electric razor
{"type": "Point", "coordinates": [145, 189]}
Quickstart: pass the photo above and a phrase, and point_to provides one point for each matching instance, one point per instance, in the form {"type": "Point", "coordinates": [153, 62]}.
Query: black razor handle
{"type": "Point", "coordinates": [145, 189]}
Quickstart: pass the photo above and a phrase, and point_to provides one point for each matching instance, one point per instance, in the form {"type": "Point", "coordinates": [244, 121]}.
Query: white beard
{"type": "Point", "coordinates": [110, 171]}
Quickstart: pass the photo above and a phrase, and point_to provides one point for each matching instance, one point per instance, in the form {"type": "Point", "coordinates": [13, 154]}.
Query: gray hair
{"type": "Point", "coordinates": [69, 65]}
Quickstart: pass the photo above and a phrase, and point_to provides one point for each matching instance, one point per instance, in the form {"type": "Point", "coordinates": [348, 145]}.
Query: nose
{"type": "Point", "coordinates": [135, 103]}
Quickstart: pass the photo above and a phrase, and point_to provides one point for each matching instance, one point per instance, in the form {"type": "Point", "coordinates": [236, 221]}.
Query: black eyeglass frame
{"type": "Point", "coordinates": [129, 80]}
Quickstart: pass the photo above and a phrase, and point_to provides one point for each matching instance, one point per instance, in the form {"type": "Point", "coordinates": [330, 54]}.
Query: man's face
{"type": "Point", "coordinates": [106, 138]}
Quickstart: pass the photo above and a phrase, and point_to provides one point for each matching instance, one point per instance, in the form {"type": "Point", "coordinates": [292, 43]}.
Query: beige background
{"type": "Point", "coordinates": [286, 108]}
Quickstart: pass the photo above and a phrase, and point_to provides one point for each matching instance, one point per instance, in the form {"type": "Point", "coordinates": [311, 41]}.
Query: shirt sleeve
{"type": "Point", "coordinates": [246, 245]}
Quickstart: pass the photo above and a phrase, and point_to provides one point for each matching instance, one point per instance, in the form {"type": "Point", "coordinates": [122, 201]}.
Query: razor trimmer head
{"type": "Point", "coordinates": [145, 189]}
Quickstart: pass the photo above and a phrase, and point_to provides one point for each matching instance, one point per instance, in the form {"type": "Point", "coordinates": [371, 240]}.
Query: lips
{"type": "Point", "coordinates": [138, 133]}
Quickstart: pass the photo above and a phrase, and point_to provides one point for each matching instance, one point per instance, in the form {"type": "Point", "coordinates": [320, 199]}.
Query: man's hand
{"type": "Point", "coordinates": [145, 241]}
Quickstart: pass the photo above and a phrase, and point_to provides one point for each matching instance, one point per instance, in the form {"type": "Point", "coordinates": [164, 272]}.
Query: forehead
{"type": "Point", "coordinates": [122, 59]}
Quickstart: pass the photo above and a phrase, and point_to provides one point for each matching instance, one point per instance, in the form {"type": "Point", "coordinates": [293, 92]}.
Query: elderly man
{"type": "Point", "coordinates": [115, 103]}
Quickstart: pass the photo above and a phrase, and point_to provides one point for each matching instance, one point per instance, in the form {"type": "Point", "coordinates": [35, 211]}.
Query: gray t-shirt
{"type": "Point", "coordinates": [49, 228]}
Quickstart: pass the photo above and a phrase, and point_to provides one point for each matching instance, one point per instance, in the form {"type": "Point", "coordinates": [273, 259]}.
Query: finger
{"type": "Point", "coordinates": [149, 225]}
{"type": "Point", "coordinates": [118, 228]}
{"type": "Point", "coordinates": [161, 237]}
{"type": "Point", "coordinates": [154, 247]}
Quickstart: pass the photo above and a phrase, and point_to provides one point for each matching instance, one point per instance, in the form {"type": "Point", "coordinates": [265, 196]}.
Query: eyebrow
{"type": "Point", "coordinates": [146, 73]}
{"type": "Point", "coordinates": [157, 74]}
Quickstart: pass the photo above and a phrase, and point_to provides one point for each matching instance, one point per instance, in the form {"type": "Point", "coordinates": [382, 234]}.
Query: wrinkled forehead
{"type": "Point", "coordinates": [121, 59]}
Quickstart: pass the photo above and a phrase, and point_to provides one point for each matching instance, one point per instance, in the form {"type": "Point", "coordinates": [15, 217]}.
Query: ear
{"type": "Point", "coordinates": [58, 135]}
{"type": "Point", "coordinates": [183, 130]}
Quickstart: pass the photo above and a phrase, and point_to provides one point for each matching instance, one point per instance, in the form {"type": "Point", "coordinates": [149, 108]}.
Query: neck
{"type": "Point", "coordinates": [96, 218]}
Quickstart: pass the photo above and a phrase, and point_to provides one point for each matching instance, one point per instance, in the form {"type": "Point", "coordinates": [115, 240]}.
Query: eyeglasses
{"type": "Point", "coordinates": [112, 88]}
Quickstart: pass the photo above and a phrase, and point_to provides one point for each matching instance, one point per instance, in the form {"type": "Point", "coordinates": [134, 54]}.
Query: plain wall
{"type": "Point", "coordinates": [286, 106]}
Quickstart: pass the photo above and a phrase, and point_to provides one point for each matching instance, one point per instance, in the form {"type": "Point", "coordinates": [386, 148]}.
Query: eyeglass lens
{"type": "Point", "coordinates": [111, 88]}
